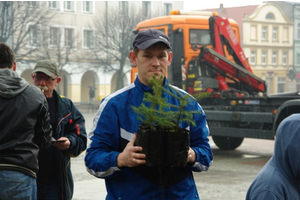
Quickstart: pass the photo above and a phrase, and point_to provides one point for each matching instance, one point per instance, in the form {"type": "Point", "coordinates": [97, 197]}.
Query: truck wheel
{"type": "Point", "coordinates": [227, 143]}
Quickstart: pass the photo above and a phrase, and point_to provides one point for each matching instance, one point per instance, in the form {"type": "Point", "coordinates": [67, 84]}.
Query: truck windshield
{"type": "Point", "coordinates": [199, 37]}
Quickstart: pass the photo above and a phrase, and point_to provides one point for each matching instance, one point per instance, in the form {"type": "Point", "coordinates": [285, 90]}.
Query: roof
{"type": "Point", "coordinates": [286, 7]}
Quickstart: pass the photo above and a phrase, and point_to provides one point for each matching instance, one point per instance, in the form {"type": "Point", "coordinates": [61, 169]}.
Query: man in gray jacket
{"type": "Point", "coordinates": [24, 129]}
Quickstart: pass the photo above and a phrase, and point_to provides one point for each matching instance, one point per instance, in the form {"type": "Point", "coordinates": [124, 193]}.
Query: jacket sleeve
{"type": "Point", "coordinates": [101, 155]}
{"type": "Point", "coordinates": [199, 142]}
{"type": "Point", "coordinates": [263, 195]}
{"type": "Point", "coordinates": [76, 133]}
{"type": "Point", "coordinates": [43, 129]}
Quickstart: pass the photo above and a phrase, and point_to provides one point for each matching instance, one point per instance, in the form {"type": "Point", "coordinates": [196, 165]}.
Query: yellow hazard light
{"type": "Point", "coordinates": [274, 112]}
{"type": "Point", "coordinates": [185, 12]}
{"type": "Point", "coordinates": [191, 76]}
{"type": "Point", "coordinates": [175, 12]}
{"type": "Point", "coordinates": [233, 102]}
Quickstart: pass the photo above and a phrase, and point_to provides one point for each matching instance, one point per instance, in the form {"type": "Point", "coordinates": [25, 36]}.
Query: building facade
{"type": "Point", "coordinates": [70, 37]}
{"type": "Point", "coordinates": [268, 44]}
{"type": "Point", "coordinates": [292, 11]}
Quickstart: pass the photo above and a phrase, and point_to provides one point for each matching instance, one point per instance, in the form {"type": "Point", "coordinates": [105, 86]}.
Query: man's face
{"type": "Point", "coordinates": [45, 82]}
{"type": "Point", "coordinates": [154, 60]}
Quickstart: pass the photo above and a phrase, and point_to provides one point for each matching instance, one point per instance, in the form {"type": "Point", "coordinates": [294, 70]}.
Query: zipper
{"type": "Point", "coordinates": [61, 121]}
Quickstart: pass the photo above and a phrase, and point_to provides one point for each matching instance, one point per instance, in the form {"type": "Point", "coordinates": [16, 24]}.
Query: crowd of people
{"type": "Point", "coordinates": [40, 131]}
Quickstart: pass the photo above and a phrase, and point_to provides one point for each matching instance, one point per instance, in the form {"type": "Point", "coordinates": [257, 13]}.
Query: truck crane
{"type": "Point", "coordinates": [208, 58]}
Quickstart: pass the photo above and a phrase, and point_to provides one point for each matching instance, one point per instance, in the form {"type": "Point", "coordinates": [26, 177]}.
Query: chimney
{"type": "Point", "coordinates": [221, 8]}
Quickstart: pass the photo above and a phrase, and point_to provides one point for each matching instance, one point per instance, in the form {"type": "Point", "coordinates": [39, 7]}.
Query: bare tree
{"type": "Point", "coordinates": [15, 18]}
{"type": "Point", "coordinates": [59, 44]}
{"type": "Point", "coordinates": [113, 40]}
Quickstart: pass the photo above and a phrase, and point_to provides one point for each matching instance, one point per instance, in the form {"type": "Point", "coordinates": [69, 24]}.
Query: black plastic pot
{"type": "Point", "coordinates": [163, 147]}
{"type": "Point", "coordinates": [152, 143]}
{"type": "Point", "coordinates": [176, 147]}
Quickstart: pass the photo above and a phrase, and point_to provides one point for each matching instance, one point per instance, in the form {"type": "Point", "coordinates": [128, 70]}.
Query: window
{"type": "Point", "coordinates": [284, 58]}
{"type": "Point", "coordinates": [162, 30]}
{"type": "Point", "coordinates": [34, 4]}
{"type": "Point", "coordinates": [87, 6]}
{"type": "Point", "coordinates": [168, 8]}
{"type": "Point", "coordinates": [53, 5]}
{"type": "Point", "coordinates": [298, 31]}
{"type": "Point", "coordinates": [263, 57]}
{"type": "Point", "coordinates": [69, 6]}
{"type": "Point", "coordinates": [297, 11]}
{"type": "Point", "coordinates": [69, 37]}
{"type": "Point", "coordinates": [198, 36]}
{"type": "Point", "coordinates": [252, 57]}
{"type": "Point", "coordinates": [88, 39]}
{"type": "Point", "coordinates": [274, 58]}
{"type": "Point", "coordinates": [264, 33]}
{"type": "Point", "coordinates": [146, 7]}
{"type": "Point", "coordinates": [285, 34]}
{"type": "Point", "coordinates": [270, 16]}
{"type": "Point", "coordinates": [33, 36]}
{"type": "Point", "coordinates": [274, 34]}
{"type": "Point", "coordinates": [54, 36]}
{"type": "Point", "coordinates": [281, 84]}
{"type": "Point", "coordinates": [253, 33]}
{"type": "Point", "coordinates": [123, 8]}
{"type": "Point", "coordinates": [298, 58]}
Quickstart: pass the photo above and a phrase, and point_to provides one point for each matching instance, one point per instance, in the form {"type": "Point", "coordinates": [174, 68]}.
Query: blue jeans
{"type": "Point", "coordinates": [17, 186]}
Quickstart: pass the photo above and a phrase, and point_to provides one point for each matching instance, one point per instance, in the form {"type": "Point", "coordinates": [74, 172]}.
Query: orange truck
{"type": "Point", "coordinates": [207, 57]}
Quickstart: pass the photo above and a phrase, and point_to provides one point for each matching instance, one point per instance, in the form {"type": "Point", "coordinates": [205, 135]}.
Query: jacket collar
{"type": "Point", "coordinates": [146, 88]}
{"type": "Point", "coordinates": [62, 108]}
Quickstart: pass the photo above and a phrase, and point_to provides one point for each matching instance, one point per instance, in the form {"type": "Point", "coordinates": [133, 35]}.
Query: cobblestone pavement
{"type": "Point", "coordinates": [227, 179]}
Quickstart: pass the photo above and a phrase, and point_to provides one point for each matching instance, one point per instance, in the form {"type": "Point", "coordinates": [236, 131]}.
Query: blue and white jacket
{"type": "Point", "coordinates": [114, 125]}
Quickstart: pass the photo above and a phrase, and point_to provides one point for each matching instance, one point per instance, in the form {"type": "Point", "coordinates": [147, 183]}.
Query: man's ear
{"type": "Point", "coordinates": [170, 57]}
{"type": "Point", "coordinates": [14, 66]}
{"type": "Point", "coordinates": [132, 57]}
{"type": "Point", "coordinates": [58, 80]}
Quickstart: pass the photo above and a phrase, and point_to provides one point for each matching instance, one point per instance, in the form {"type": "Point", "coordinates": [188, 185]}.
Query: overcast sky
{"type": "Point", "coordinates": [204, 4]}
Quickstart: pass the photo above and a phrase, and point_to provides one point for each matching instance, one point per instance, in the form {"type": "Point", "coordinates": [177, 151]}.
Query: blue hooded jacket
{"type": "Point", "coordinates": [280, 177]}
{"type": "Point", "coordinates": [114, 125]}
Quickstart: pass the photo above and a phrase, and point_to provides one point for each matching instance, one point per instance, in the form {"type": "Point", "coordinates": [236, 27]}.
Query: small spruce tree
{"type": "Point", "coordinates": [163, 114]}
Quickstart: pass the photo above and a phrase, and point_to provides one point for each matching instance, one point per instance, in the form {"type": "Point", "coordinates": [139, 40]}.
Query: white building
{"type": "Point", "coordinates": [74, 19]}
{"type": "Point", "coordinates": [268, 43]}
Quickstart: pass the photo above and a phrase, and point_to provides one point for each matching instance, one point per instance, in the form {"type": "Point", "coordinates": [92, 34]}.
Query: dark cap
{"type": "Point", "coordinates": [47, 67]}
{"type": "Point", "coordinates": [146, 38]}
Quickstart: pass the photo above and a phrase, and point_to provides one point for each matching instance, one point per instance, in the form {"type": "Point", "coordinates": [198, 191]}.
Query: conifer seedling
{"type": "Point", "coordinates": [157, 111]}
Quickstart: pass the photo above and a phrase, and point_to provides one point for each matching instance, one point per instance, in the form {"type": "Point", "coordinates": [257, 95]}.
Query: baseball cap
{"type": "Point", "coordinates": [147, 38]}
{"type": "Point", "coordinates": [46, 66]}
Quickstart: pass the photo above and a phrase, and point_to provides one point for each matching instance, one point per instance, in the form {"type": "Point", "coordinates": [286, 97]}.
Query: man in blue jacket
{"type": "Point", "coordinates": [54, 180]}
{"type": "Point", "coordinates": [280, 177]}
{"type": "Point", "coordinates": [112, 154]}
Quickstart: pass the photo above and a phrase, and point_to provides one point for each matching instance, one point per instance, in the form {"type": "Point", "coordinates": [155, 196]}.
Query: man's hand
{"type": "Point", "coordinates": [191, 156]}
{"type": "Point", "coordinates": [130, 156]}
{"type": "Point", "coordinates": [62, 143]}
